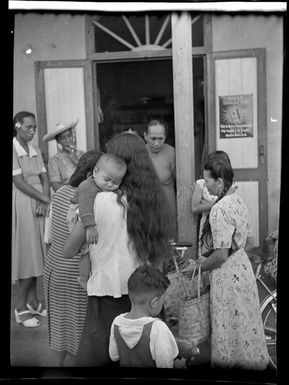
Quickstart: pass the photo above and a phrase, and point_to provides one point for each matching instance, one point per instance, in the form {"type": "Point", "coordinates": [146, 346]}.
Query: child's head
{"type": "Point", "coordinates": [84, 167]}
{"type": "Point", "coordinates": [109, 171]}
{"type": "Point", "coordinates": [146, 289]}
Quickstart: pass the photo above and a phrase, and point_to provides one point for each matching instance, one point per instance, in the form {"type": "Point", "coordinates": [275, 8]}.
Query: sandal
{"type": "Point", "coordinates": [43, 312]}
{"type": "Point", "coordinates": [28, 323]}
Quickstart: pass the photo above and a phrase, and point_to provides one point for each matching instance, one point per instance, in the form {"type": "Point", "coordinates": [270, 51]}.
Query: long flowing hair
{"type": "Point", "coordinates": [147, 218]}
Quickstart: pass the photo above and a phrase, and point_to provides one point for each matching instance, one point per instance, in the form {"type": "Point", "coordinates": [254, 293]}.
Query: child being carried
{"type": "Point", "coordinates": [107, 176]}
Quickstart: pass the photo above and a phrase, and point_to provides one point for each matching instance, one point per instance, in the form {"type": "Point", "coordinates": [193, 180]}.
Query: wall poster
{"type": "Point", "coordinates": [236, 116]}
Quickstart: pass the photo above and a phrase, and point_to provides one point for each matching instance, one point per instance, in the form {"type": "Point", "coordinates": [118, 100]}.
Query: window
{"type": "Point", "coordinates": [139, 31]}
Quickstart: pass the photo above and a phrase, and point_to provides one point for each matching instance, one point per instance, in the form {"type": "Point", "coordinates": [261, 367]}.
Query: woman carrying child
{"type": "Point", "coordinates": [132, 230]}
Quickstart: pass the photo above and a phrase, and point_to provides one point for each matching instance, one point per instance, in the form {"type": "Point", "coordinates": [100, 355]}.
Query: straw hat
{"type": "Point", "coordinates": [60, 127]}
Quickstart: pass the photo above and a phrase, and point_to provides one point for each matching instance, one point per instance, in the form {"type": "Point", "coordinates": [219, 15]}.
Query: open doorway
{"type": "Point", "coordinates": [132, 92]}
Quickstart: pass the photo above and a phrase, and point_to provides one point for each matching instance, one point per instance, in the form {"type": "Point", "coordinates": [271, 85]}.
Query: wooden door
{"type": "Point", "coordinates": [237, 125]}
{"type": "Point", "coordinates": [64, 92]}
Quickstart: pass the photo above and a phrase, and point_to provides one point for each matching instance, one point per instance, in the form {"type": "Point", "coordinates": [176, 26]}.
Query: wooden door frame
{"type": "Point", "coordinates": [245, 174]}
{"type": "Point", "coordinates": [132, 55]}
{"type": "Point", "coordinates": [92, 139]}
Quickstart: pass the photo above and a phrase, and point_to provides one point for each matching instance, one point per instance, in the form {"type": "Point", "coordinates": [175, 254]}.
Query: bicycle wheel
{"type": "Point", "coordinates": [269, 317]}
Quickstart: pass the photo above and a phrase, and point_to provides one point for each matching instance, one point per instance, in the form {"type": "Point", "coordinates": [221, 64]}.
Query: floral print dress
{"type": "Point", "coordinates": [237, 339]}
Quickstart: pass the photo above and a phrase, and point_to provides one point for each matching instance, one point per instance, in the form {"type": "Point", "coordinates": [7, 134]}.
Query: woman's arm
{"type": "Point", "coordinates": [74, 241]}
{"type": "Point", "coordinates": [45, 183]}
{"type": "Point", "coordinates": [29, 190]}
{"type": "Point", "coordinates": [215, 260]}
{"type": "Point", "coordinates": [42, 207]}
{"type": "Point", "coordinates": [54, 174]}
{"type": "Point", "coordinates": [198, 204]}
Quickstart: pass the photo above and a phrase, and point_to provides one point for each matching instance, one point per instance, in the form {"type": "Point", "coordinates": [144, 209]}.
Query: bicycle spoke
{"type": "Point", "coordinates": [271, 329]}
{"type": "Point", "coordinates": [268, 311]}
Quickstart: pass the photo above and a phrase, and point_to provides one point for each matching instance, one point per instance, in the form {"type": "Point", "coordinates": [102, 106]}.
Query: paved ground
{"type": "Point", "coordinates": [29, 347]}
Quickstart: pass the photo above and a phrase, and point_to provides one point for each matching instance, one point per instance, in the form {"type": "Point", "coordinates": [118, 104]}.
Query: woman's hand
{"type": "Point", "coordinates": [215, 260]}
{"type": "Point", "coordinates": [46, 200]}
{"type": "Point", "coordinates": [41, 208]}
{"type": "Point", "coordinates": [29, 190]}
{"type": "Point", "coordinates": [187, 271]}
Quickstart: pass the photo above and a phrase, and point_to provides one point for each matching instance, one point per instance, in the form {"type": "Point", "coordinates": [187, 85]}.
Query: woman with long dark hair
{"type": "Point", "coordinates": [132, 230]}
{"type": "Point", "coordinates": [147, 215]}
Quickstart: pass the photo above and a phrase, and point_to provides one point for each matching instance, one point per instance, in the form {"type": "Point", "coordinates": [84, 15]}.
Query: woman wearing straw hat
{"type": "Point", "coordinates": [62, 165]}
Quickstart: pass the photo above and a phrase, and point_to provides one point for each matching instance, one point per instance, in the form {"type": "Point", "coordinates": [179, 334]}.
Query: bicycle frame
{"type": "Point", "coordinates": [268, 308]}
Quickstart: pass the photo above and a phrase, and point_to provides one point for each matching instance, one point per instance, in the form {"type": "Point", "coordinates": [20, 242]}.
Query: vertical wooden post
{"type": "Point", "coordinates": [184, 120]}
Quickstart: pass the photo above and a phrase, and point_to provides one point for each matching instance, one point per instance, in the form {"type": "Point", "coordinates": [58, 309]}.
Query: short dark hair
{"type": "Point", "coordinates": [156, 120]}
{"type": "Point", "coordinates": [146, 281]}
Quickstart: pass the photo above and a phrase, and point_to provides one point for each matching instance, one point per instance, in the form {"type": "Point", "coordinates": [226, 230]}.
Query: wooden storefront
{"type": "Point", "coordinates": [164, 64]}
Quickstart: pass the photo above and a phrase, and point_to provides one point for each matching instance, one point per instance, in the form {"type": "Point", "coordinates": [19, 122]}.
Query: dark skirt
{"type": "Point", "coordinates": [94, 344]}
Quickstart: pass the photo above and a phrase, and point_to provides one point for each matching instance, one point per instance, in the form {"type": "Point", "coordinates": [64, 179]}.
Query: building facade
{"type": "Point", "coordinates": [216, 79]}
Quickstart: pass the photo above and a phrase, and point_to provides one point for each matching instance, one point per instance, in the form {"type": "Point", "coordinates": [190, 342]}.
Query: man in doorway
{"type": "Point", "coordinates": [164, 159]}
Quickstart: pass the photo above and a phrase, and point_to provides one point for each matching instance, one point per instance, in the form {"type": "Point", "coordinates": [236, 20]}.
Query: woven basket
{"type": "Point", "coordinates": [177, 291]}
{"type": "Point", "coordinates": [194, 316]}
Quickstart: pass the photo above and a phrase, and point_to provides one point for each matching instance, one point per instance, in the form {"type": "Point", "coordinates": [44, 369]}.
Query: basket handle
{"type": "Point", "coordinates": [191, 281]}
{"type": "Point", "coordinates": [186, 291]}
{"type": "Point", "coordinates": [199, 279]}
{"type": "Point", "coordinates": [176, 265]}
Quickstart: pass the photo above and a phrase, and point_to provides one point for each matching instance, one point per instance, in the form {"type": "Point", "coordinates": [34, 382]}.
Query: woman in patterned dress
{"type": "Point", "coordinates": [30, 199]}
{"type": "Point", "coordinates": [65, 299]}
{"type": "Point", "coordinates": [237, 337]}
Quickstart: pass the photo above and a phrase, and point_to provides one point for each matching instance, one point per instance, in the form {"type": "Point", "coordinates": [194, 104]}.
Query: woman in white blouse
{"type": "Point", "coordinates": [29, 204]}
{"type": "Point", "coordinates": [132, 230]}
